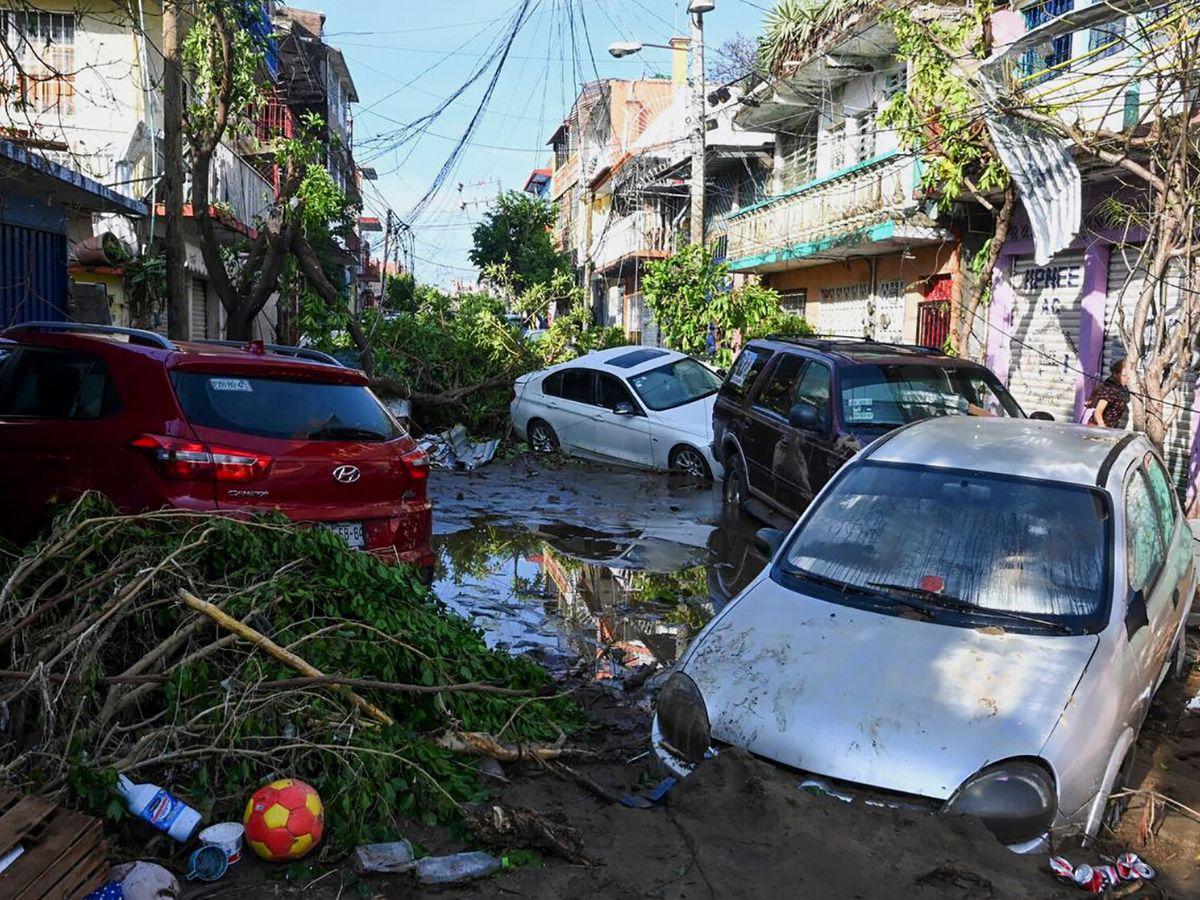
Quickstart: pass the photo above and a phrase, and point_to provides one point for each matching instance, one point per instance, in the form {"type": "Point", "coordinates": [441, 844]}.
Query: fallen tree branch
{"type": "Point", "coordinates": [478, 687]}
{"type": "Point", "coordinates": [392, 387]}
{"type": "Point", "coordinates": [485, 745]}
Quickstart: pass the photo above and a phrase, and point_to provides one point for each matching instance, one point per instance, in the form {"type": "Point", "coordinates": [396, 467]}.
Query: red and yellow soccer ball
{"type": "Point", "coordinates": [284, 820]}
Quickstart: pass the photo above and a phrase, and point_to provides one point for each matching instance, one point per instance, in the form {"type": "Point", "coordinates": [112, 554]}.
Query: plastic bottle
{"type": "Point", "coordinates": [159, 808]}
{"type": "Point", "coordinates": [459, 867]}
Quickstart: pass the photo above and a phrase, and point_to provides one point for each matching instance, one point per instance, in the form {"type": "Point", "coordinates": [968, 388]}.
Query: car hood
{"type": "Point", "coordinates": [695, 417]}
{"type": "Point", "coordinates": [894, 703]}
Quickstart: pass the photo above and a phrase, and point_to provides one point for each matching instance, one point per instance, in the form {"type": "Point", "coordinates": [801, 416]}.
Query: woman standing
{"type": "Point", "coordinates": [1110, 400]}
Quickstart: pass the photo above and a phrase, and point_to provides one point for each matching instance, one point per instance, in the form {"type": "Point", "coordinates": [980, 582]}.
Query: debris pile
{"type": "Point", "coordinates": [208, 655]}
{"type": "Point", "coordinates": [453, 449]}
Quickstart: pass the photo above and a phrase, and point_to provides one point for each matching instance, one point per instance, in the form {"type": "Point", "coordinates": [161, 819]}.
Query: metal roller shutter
{"type": "Point", "coordinates": [33, 275]}
{"type": "Point", "coordinates": [843, 310]}
{"type": "Point", "coordinates": [1125, 280]}
{"type": "Point", "coordinates": [199, 309]}
{"type": "Point", "coordinates": [891, 312]}
{"type": "Point", "coordinates": [1047, 304]}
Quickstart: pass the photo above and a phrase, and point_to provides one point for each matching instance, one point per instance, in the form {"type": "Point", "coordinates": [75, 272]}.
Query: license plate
{"type": "Point", "coordinates": [350, 532]}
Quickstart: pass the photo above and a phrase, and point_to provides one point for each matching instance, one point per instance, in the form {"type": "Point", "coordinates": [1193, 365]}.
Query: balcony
{"type": "Point", "coordinates": [238, 192]}
{"type": "Point", "coordinates": [275, 122]}
{"type": "Point", "coordinates": [871, 201]}
{"type": "Point", "coordinates": [638, 235]}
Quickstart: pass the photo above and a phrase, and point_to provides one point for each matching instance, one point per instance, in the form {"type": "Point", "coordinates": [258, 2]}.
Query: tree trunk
{"type": "Point", "coordinates": [983, 281]}
{"type": "Point", "coordinates": [178, 307]}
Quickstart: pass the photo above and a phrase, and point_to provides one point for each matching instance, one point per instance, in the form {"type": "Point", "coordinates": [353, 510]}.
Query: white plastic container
{"type": "Point", "coordinates": [159, 808]}
{"type": "Point", "coordinates": [227, 836]}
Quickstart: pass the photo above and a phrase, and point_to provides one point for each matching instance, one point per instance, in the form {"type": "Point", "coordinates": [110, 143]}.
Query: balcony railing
{"type": "Point", "coordinates": [641, 233]}
{"type": "Point", "coordinates": [275, 121]}
{"type": "Point", "coordinates": [238, 186]}
{"type": "Point", "coordinates": [840, 204]}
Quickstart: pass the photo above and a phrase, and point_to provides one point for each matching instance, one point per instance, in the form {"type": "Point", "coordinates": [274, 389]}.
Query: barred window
{"type": "Point", "coordinates": [40, 63]}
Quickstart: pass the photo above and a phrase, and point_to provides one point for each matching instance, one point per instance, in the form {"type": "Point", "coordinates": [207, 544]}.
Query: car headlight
{"type": "Point", "coordinates": [683, 718]}
{"type": "Point", "coordinates": [1015, 799]}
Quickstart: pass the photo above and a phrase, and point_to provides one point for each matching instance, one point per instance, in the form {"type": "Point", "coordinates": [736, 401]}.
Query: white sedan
{"type": "Point", "coordinates": [636, 406]}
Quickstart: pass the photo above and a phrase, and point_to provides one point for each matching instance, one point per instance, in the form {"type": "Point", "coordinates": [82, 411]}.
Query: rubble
{"type": "Point", "coordinates": [453, 449]}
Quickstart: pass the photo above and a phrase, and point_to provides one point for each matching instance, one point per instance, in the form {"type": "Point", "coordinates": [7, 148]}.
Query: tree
{"type": "Point", "coordinates": [173, 180]}
{"type": "Point", "coordinates": [515, 235]}
{"type": "Point", "coordinates": [738, 59]}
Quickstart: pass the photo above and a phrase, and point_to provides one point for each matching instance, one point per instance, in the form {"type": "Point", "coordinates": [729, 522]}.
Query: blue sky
{"type": "Point", "coordinates": [407, 56]}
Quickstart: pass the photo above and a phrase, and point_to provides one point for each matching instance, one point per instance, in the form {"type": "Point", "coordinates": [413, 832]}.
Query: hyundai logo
{"type": "Point", "coordinates": [347, 474]}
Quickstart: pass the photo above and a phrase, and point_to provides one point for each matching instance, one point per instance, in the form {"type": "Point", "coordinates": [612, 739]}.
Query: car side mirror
{"type": "Point", "coordinates": [624, 408]}
{"type": "Point", "coordinates": [805, 415]}
{"type": "Point", "coordinates": [1137, 616]}
{"type": "Point", "coordinates": [1042, 416]}
{"type": "Point", "coordinates": [769, 540]}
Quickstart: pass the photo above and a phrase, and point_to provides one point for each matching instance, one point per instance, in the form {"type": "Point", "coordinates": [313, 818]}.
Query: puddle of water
{"type": "Point", "coordinates": [621, 596]}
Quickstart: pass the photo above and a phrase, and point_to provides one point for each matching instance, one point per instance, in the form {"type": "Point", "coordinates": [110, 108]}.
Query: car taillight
{"type": "Point", "coordinates": [417, 464]}
{"type": "Point", "coordinates": [192, 461]}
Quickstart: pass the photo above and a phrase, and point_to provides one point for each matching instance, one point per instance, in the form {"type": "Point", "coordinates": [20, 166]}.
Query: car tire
{"type": "Point", "coordinates": [542, 438]}
{"type": "Point", "coordinates": [1114, 809]}
{"type": "Point", "coordinates": [734, 491]}
{"type": "Point", "coordinates": [689, 461]}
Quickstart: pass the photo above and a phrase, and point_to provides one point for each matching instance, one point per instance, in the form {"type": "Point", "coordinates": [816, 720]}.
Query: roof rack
{"type": "Point", "coordinates": [135, 335]}
{"type": "Point", "coordinates": [280, 350]}
{"type": "Point", "coordinates": [830, 340]}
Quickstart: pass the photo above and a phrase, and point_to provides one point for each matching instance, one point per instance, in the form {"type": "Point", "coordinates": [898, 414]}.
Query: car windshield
{"type": "Point", "coordinates": [1013, 546]}
{"type": "Point", "coordinates": [893, 395]}
{"type": "Point", "coordinates": [675, 384]}
{"type": "Point", "coordinates": [279, 408]}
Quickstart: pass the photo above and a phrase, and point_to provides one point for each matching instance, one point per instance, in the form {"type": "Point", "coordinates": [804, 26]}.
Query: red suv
{"type": "Point", "coordinates": [213, 426]}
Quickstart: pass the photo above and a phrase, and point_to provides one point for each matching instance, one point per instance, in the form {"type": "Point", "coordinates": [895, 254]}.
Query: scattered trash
{"type": "Point", "coordinates": [457, 868]}
{"type": "Point", "coordinates": [11, 857]}
{"type": "Point", "coordinates": [145, 881]}
{"type": "Point", "coordinates": [208, 862]}
{"type": "Point", "coordinates": [393, 858]}
{"type": "Point", "coordinates": [1098, 879]}
{"type": "Point", "coordinates": [824, 789]}
{"type": "Point", "coordinates": [284, 820]}
{"type": "Point", "coordinates": [227, 836]}
{"type": "Point", "coordinates": [159, 808]}
{"type": "Point", "coordinates": [1193, 705]}
{"type": "Point", "coordinates": [454, 450]}
{"type": "Point", "coordinates": [43, 844]}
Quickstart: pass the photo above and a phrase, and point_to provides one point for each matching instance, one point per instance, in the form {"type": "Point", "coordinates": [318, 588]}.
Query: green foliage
{"type": "Point", "coordinates": [204, 59]}
{"type": "Point", "coordinates": [515, 235]}
{"type": "Point", "coordinates": [146, 288]}
{"type": "Point", "coordinates": [793, 26]}
{"type": "Point", "coordinates": [690, 296]}
{"type": "Point", "coordinates": [401, 293]}
{"type": "Point", "coordinates": [936, 114]}
{"type": "Point", "coordinates": [344, 612]}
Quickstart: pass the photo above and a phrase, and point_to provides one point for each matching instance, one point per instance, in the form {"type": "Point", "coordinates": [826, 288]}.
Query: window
{"type": "Point", "coordinates": [1163, 496]}
{"type": "Point", "coordinates": [892, 395]}
{"type": "Point", "coordinates": [837, 147]}
{"type": "Point", "coordinates": [613, 392]}
{"type": "Point", "coordinates": [814, 388]}
{"type": "Point", "coordinates": [864, 135]}
{"type": "Point", "coordinates": [677, 383]}
{"type": "Point", "coordinates": [42, 63]}
{"type": "Point", "coordinates": [992, 542]}
{"type": "Point", "coordinates": [1143, 534]}
{"type": "Point", "coordinates": [798, 159]}
{"type": "Point", "coordinates": [1107, 39]}
{"type": "Point", "coordinates": [1047, 58]}
{"type": "Point", "coordinates": [54, 385]}
{"type": "Point", "coordinates": [794, 301]}
{"type": "Point", "coordinates": [552, 385]}
{"type": "Point", "coordinates": [577, 385]}
{"type": "Point", "coordinates": [745, 371]}
{"type": "Point", "coordinates": [776, 395]}
{"type": "Point", "coordinates": [278, 408]}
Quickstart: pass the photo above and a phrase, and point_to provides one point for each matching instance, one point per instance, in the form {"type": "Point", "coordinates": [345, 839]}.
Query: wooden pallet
{"type": "Point", "coordinates": [65, 854]}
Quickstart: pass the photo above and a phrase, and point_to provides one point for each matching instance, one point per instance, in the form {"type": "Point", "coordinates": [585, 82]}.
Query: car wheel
{"type": "Point", "coordinates": [542, 437]}
{"type": "Point", "coordinates": [1116, 807]}
{"type": "Point", "coordinates": [691, 462]}
{"type": "Point", "coordinates": [734, 491]}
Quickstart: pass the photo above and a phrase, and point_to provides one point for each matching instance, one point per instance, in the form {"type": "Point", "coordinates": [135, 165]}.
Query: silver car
{"type": "Point", "coordinates": [972, 617]}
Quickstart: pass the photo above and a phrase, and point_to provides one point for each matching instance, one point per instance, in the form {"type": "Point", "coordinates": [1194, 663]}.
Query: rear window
{"type": "Point", "coordinates": [278, 408]}
{"type": "Point", "coordinates": [884, 533]}
{"type": "Point", "coordinates": [746, 369]}
{"type": "Point", "coordinates": [892, 395]}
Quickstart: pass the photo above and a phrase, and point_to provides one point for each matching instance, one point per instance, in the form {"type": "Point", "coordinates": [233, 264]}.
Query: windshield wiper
{"type": "Point", "coordinates": [345, 432]}
{"type": "Point", "coordinates": [939, 600]}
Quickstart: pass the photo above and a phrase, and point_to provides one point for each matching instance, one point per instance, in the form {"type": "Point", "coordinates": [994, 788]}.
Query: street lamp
{"type": "Point", "coordinates": [696, 91]}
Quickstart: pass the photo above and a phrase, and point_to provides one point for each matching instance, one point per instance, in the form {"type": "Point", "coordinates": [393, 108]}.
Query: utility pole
{"type": "Point", "coordinates": [697, 86]}
{"type": "Point", "coordinates": [178, 307]}
{"type": "Point", "coordinates": [387, 237]}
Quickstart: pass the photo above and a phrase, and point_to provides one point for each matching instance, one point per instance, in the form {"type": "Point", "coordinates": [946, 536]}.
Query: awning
{"type": "Point", "coordinates": [27, 172]}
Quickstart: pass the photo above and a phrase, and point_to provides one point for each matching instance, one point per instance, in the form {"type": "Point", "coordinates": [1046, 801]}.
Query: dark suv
{"type": "Point", "coordinates": [791, 412]}
{"type": "Point", "coordinates": [205, 426]}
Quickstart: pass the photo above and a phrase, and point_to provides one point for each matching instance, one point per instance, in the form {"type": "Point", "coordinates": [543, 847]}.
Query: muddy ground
{"type": "Point", "coordinates": [596, 572]}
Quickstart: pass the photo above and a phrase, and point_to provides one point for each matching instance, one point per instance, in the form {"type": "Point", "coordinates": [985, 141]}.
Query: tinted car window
{"type": "Point", "coordinates": [677, 383]}
{"type": "Point", "coordinates": [1161, 493]}
{"type": "Point", "coordinates": [1143, 534]}
{"type": "Point", "coordinates": [776, 394]}
{"type": "Point", "coordinates": [577, 385]}
{"type": "Point", "coordinates": [745, 371]}
{"type": "Point", "coordinates": [278, 408]}
{"type": "Point", "coordinates": [552, 384]}
{"type": "Point", "coordinates": [1026, 547]}
{"type": "Point", "coordinates": [814, 388]}
{"type": "Point", "coordinates": [893, 395]}
{"type": "Point", "coordinates": [50, 384]}
{"type": "Point", "coordinates": [613, 391]}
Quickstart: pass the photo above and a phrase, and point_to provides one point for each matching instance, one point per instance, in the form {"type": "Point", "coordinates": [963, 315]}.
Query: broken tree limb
{"type": "Point", "coordinates": [452, 397]}
{"type": "Point", "coordinates": [478, 687]}
{"type": "Point", "coordinates": [244, 631]}
{"type": "Point", "coordinates": [485, 745]}
{"type": "Point", "coordinates": [517, 826]}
